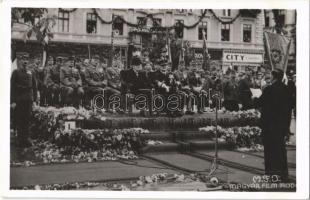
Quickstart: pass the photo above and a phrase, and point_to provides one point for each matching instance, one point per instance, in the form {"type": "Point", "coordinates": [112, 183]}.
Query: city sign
{"type": "Point", "coordinates": [242, 57]}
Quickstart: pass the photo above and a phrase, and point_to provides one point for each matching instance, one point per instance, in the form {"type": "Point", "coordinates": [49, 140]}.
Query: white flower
{"type": "Point", "coordinates": [37, 187]}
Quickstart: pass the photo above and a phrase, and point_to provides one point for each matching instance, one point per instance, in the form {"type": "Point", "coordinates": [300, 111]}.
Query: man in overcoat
{"type": "Point", "coordinates": [275, 117]}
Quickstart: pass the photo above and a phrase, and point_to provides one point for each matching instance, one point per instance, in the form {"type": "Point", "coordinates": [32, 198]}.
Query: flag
{"type": "Point", "coordinates": [277, 48]}
{"type": "Point", "coordinates": [206, 58]}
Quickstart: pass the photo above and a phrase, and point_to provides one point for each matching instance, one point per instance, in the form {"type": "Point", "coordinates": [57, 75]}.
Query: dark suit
{"type": "Point", "coordinates": [134, 80]}
{"type": "Point", "coordinates": [275, 116]}
{"type": "Point", "coordinates": [231, 96]}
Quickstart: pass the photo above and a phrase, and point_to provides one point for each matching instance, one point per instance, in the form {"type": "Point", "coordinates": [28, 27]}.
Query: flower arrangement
{"type": "Point", "coordinates": [247, 136]}
{"type": "Point", "coordinates": [80, 145]}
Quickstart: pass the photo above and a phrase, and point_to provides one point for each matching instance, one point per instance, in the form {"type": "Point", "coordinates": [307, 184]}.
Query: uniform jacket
{"type": "Point", "coordinates": [70, 77]}
{"type": "Point", "coordinates": [93, 78]}
{"type": "Point", "coordinates": [52, 76]}
{"type": "Point", "coordinates": [113, 76]}
{"type": "Point", "coordinates": [23, 86]}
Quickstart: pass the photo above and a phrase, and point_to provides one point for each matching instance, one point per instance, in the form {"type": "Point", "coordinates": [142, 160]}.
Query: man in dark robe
{"type": "Point", "coordinates": [275, 116]}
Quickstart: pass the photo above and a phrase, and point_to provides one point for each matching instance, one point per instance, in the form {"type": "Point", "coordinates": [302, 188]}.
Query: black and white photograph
{"type": "Point", "coordinates": [130, 99]}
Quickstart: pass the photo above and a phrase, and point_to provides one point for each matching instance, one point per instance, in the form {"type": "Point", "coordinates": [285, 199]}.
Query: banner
{"type": "Point", "coordinates": [277, 47]}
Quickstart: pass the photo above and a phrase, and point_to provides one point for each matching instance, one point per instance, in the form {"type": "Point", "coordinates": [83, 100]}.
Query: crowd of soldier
{"type": "Point", "coordinates": [70, 82]}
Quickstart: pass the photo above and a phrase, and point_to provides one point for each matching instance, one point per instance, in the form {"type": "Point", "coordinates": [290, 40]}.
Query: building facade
{"type": "Point", "coordinates": [234, 39]}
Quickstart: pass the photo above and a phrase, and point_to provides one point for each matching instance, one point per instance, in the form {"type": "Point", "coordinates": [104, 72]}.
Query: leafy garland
{"type": "Point", "coordinates": [225, 22]}
{"type": "Point", "coordinates": [121, 19]}
{"type": "Point", "coordinates": [67, 10]}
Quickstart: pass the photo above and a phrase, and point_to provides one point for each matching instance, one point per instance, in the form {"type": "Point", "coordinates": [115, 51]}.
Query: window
{"type": "Point", "coordinates": [156, 22]}
{"type": "Point", "coordinates": [118, 25]}
{"type": "Point", "coordinates": [247, 33]}
{"type": "Point", "coordinates": [141, 21]}
{"type": "Point", "coordinates": [225, 32]}
{"type": "Point", "coordinates": [226, 12]}
{"type": "Point", "coordinates": [91, 23]}
{"type": "Point", "coordinates": [63, 21]}
{"type": "Point", "coordinates": [281, 18]}
{"type": "Point", "coordinates": [179, 29]}
{"type": "Point", "coordinates": [202, 27]}
{"type": "Point", "coordinates": [267, 22]}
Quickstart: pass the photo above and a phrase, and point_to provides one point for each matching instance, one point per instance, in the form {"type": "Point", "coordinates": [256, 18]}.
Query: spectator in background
{"type": "Point", "coordinates": [231, 93]}
{"type": "Point", "coordinates": [244, 91]}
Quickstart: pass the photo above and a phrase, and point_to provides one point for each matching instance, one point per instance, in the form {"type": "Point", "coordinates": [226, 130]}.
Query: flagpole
{"type": "Point", "coordinates": [268, 50]}
{"type": "Point", "coordinates": [287, 55]}
{"type": "Point", "coordinates": [205, 53]}
{"type": "Point", "coordinates": [112, 43]}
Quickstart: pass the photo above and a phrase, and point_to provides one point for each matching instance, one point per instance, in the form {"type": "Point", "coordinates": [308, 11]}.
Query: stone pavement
{"type": "Point", "coordinates": [121, 171]}
{"type": "Point", "coordinates": [80, 172]}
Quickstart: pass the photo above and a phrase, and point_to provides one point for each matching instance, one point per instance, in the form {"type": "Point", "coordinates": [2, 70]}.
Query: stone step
{"type": "Point", "coordinates": [187, 122]}
{"type": "Point", "coordinates": [184, 146]}
{"type": "Point", "coordinates": [175, 135]}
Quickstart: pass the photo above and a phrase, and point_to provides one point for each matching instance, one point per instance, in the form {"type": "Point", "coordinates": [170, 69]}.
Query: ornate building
{"type": "Point", "coordinates": [234, 37]}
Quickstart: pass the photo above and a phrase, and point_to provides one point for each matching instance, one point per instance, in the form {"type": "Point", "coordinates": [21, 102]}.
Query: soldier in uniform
{"type": "Point", "coordinates": [71, 84]}
{"type": "Point", "coordinates": [113, 78]}
{"type": "Point", "coordinates": [95, 81]}
{"type": "Point", "coordinates": [23, 95]}
{"type": "Point", "coordinates": [52, 82]}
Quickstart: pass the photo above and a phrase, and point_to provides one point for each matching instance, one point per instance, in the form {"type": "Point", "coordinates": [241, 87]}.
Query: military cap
{"type": "Point", "coordinates": [22, 55]}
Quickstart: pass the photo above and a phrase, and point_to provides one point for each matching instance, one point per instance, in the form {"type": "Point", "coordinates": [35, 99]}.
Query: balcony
{"type": "Point", "coordinates": [229, 45]}
{"type": "Point", "coordinates": [78, 38]}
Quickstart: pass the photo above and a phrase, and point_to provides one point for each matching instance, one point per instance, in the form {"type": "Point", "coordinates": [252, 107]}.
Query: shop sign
{"type": "Point", "coordinates": [242, 57]}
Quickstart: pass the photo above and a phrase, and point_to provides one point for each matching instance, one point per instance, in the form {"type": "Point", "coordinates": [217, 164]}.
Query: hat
{"type": "Point", "coordinates": [136, 61]}
{"type": "Point", "coordinates": [59, 58]}
{"type": "Point", "coordinates": [22, 55]}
